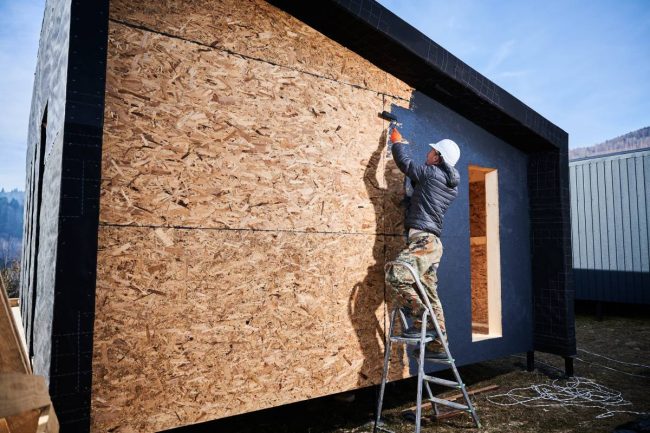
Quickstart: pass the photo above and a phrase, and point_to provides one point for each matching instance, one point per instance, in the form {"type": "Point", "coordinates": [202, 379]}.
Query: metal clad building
{"type": "Point", "coordinates": [610, 219]}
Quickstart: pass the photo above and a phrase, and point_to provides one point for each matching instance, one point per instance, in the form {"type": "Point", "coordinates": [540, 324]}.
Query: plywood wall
{"type": "Point", "coordinates": [478, 252]}
{"type": "Point", "coordinates": [247, 209]}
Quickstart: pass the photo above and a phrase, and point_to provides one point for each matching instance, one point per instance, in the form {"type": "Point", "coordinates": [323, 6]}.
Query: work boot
{"type": "Point", "coordinates": [433, 350]}
{"type": "Point", "coordinates": [431, 354]}
{"type": "Point", "coordinates": [416, 330]}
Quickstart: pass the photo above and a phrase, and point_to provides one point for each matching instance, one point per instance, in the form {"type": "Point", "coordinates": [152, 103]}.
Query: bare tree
{"type": "Point", "coordinates": [10, 265]}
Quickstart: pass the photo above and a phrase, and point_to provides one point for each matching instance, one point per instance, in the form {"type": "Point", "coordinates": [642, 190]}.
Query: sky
{"type": "Point", "coordinates": [20, 28]}
{"type": "Point", "coordinates": [582, 64]}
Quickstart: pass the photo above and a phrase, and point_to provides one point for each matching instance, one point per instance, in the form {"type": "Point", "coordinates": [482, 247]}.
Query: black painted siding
{"type": "Point", "coordinates": [553, 293]}
{"type": "Point", "coordinates": [426, 121]}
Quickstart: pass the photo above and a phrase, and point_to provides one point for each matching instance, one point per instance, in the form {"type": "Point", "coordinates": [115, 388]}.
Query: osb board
{"type": "Point", "coordinates": [477, 209]}
{"type": "Point", "coordinates": [192, 325]}
{"type": "Point", "coordinates": [255, 28]}
{"type": "Point", "coordinates": [479, 284]}
{"type": "Point", "coordinates": [392, 180]}
{"type": "Point", "coordinates": [196, 137]}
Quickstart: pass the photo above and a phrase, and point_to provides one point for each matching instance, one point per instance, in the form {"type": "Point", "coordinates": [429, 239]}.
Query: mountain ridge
{"type": "Point", "coordinates": [634, 140]}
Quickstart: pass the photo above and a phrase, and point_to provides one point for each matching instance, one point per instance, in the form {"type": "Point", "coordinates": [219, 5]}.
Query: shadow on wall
{"type": "Point", "coordinates": [368, 295]}
{"type": "Point", "coordinates": [612, 286]}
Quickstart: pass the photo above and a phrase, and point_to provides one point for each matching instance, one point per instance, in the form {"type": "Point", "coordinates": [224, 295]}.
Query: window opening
{"type": "Point", "coordinates": [38, 196]}
{"type": "Point", "coordinates": [485, 260]}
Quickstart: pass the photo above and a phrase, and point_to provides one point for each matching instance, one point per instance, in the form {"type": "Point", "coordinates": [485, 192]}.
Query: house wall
{"type": "Point", "coordinates": [610, 214]}
{"type": "Point", "coordinates": [58, 305]}
{"type": "Point", "coordinates": [37, 297]}
{"type": "Point", "coordinates": [426, 121]}
{"type": "Point", "coordinates": [245, 217]}
{"type": "Point", "coordinates": [247, 209]}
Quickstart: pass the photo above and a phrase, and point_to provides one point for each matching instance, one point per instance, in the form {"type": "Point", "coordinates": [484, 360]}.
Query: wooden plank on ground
{"type": "Point", "coordinates": [13, 358]}
{"type": "Point", "coordinates": [443, 411]}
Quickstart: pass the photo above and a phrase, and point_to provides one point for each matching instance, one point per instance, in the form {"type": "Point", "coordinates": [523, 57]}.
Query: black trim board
{"type": "Point", "coordinates": [76, 266]}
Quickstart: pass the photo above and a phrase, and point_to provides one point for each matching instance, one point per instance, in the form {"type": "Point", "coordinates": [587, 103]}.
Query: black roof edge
{"type": "Point", "coordinates": [380, 36]}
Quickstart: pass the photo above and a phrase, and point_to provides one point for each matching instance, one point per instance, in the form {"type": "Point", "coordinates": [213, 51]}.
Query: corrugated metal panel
{"type": "Point", "coordinates": [610, 227]}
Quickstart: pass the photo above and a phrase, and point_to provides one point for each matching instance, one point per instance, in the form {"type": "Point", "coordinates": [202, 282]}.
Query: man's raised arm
{"type": "Point", "coordinates": [415, 172]}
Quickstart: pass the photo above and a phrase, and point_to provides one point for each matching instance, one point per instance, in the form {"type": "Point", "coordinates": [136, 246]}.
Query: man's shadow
{"type": "Point", "coordinates": [369, 295]}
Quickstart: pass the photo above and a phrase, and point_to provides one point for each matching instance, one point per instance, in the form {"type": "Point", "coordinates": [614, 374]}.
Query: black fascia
{"type": "Point", "coordinates": [375, 33]}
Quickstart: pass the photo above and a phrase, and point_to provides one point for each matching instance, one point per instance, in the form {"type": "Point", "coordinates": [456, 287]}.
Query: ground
{"type": "Point", "coordinates": [622, 335]}
{"type": "Point", "coordinates": [624, 338]}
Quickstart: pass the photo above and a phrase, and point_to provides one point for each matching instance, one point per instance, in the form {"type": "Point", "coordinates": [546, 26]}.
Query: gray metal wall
{"type": "Point", "coordinates": [610, 214]}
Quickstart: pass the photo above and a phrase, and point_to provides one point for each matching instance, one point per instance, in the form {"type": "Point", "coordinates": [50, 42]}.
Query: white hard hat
{"type": "Point", "coordinates": [448, 149]}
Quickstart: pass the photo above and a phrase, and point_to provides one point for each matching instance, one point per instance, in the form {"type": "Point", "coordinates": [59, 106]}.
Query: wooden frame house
{"type": "Point", "coordinates": [210, 206]}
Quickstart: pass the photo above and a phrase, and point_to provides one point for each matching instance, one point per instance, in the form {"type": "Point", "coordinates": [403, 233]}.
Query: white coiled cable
{"type": "Point", "coordinates": [575, 391]}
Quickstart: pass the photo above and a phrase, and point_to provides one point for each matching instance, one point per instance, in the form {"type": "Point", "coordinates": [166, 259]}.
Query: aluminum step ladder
{"type": "Point", "coordinates": [423, 378]}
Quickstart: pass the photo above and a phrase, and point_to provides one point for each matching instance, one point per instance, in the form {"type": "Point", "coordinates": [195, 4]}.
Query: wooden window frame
{"type": "Point", "coordinates": [491, 239]}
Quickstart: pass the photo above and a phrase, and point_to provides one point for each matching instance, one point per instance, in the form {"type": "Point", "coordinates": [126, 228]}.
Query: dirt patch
{"type": "Point", "coordinates": [625, 339]}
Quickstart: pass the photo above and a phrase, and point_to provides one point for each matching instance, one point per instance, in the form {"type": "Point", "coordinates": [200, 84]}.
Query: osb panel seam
{"type": "Point", "coordinates": [216, 47]}
{"type": "Point", "coordinates": [199, 137]}
{"type": "Point", "coordinates": [243, 225]}
{"type": "Point", "coordinates": [236, 229]}
{"type": "Point", "coordinates": [246, 321]}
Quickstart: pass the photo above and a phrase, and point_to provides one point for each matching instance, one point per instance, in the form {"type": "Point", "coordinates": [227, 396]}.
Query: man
{"type": "Point", "coordinates": [435, 185]}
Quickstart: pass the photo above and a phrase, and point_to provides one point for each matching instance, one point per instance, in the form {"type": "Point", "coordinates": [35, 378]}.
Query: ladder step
{"type": "Point", "coordinates": [448, 361]}
{"type": "Point", "coordinates": [444, 382]}
{"type": "Point", "coordinates": [406, 340]}
{"type": "Point", "coordinates": [450, 404]}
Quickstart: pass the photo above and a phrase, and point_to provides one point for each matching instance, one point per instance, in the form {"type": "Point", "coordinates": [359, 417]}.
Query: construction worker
{"type": "Point", "coordinates": [435, 185]}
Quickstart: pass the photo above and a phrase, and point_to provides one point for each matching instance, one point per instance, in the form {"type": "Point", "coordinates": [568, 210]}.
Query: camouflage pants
{"type": "Point", "coordinates": [423, 253]}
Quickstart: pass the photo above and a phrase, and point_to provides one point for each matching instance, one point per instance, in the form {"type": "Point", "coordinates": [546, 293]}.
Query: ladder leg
{"type": "Point", "coordinates": [418, 407]}
{"type": "Point", "coordinates": [472, 411]}
{"type": "Point", "coordinates": [433, 403]}
{"type": "Point", "coordinates": [384, 374]}
{"type": "Point", "coordinates": [405, 324]}
{"type": "Point", "coordinates": [443, 341]}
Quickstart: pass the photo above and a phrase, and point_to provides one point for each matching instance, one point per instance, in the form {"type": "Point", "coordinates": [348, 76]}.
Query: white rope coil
{"type": "Point", "coordinates": [577, 391]}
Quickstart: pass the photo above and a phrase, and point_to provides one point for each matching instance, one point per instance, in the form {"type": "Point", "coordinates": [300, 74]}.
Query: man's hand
{"type": "Point", "coordinates": [396, 137]}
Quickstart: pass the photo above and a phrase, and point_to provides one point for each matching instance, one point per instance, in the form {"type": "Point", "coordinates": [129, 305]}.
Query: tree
{"type": "Point", "coordinates": [10, 266]}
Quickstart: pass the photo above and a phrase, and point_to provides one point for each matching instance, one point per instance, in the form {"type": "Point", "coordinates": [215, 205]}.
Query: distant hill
{"type": "Point", "coordinates": [639, 139]}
